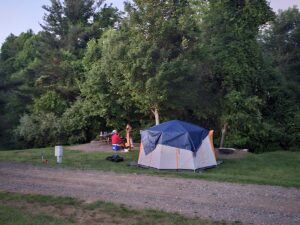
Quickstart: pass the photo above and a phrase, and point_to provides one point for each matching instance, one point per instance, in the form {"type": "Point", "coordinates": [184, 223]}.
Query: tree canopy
{"type": "Point", "coordinates": [229, 66]}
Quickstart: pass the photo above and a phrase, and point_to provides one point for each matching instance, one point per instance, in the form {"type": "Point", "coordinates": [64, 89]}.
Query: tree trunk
{"type": "Point", "coordinates": [156, 115]}
{"type": "Point", "coordinates": [223, 131]}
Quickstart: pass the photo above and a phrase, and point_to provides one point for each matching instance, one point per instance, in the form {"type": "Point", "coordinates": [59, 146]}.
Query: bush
{"type": "Point", "coordinates": [39, 130]}
{"type": "Point", "coordinates": [74, 124]}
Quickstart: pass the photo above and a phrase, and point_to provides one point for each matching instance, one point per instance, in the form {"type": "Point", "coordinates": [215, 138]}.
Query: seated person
{"type": "Point", "coordinates": [116, 141]}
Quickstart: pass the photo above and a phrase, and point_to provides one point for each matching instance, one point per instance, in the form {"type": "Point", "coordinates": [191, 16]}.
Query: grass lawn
{"type": "Point", "coordinates": [12, 216]}
{"type": "Point", "coordinates": [273, 168]}
{"type": "Point", "coordinates": [24, 209]}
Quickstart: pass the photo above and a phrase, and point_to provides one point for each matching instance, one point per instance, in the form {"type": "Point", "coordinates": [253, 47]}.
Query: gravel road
{"type": "Point", "coordinates": [249, 204]}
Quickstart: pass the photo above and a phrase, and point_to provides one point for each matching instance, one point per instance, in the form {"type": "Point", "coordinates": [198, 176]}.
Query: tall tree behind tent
{"type": "Point", "coordinates": [285, 42]}
{"type": "Point", "coordinates": [238, 67]}
{"type": "Point", "coordinates": [162, 57]}
{"type": "Point", "coordinates": [280, 41]}
{"type": "Point", "coordinates": [104, 91]}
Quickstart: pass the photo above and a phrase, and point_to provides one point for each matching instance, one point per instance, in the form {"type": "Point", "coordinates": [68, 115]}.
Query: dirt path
{"type": "Point", "coordinates": [215, 200]}
{"type": "Point", "coordinates": [94, 146]}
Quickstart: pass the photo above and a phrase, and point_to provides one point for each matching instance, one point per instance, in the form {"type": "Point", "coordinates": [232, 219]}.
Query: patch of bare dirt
{"type": "Point", "coordinates": [233, 154]}
{"type": "Point", "coordinates": [94, 146]}
{"type": "Point", "coordinates": [254, 204]}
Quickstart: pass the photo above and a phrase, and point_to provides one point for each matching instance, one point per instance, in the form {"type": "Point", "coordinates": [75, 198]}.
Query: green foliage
{"type": "Point", "coordinates": [280, 44]}
{"type": "Point", "coordinates": [49, 68]}
{"type": "Point", "coordinates": [162, 56]}
{"type": "Point", "coordinates": [74, 124]}
{"type": "Point", "coordinates": [40, 129]}
{"type": "Point", "coordinates": [93, 68]}
{"type": "Point", "coordinates": [105, 92]}
{"type": "Point", "coordinates": [65, 127]}
{"type": "Point", "coordinates": [71, 24]}
{"type": "Point", "coordinates": [17, 74]}
{"type": "Point", "coordinates": [286, 40]}
{"type": "Point", "coordinates": [244, 117]}
{"type": "Point", "coordinates": [50, 102]}
{"type": "Point", "coordinates": [68, 126]}
{"type": "Point", "coordinates": [245, 80]}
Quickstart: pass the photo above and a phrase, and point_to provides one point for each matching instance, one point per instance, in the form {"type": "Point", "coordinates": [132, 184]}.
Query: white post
{"type": "Point", "coordinates": [59, 153]}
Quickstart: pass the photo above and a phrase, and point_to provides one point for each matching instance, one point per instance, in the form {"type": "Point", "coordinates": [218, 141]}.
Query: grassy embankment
{"type": "Point", "coordinates": [273, 168]}
{"type": "Point", "coordinates": [24, 209]}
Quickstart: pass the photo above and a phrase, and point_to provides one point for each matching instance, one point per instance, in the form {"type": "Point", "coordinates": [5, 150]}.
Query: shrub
{"type": "Point", "coordinates": [39, 130]}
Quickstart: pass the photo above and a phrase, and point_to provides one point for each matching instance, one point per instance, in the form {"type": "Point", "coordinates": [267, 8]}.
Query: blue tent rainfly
{"type": "Point", "coordinates": [174, 133]}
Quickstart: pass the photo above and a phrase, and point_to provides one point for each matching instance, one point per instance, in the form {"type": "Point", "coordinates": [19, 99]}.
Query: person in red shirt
{"type": "Point", "coordinates": [116, 141]}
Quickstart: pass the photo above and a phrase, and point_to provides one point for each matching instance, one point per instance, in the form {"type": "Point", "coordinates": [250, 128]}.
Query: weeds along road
{"type": "Point", "coordinates": [254, 204]}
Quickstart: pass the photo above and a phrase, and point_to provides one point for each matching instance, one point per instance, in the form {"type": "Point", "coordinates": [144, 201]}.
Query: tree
{"type": "Point", "coordinates": [280, 42]}
{"type": "Point", "coordinates": [284, 42]}
{"type": "Point", "coordinates": [68, 26]}
{"type": "Point", "coordinates": [18, 71]}
{"type": "Point", "coordinates": [161, 55]}
{"type": "Point", "coordinates": [71, 24]}
{"type": "Point", "coordinates": [238, 66]}
{"type": "Point", "coordinates": [104, 91]}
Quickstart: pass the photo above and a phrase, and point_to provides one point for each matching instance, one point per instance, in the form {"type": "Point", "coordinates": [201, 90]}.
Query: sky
{"type": "Point", "coordinates": [18, 16]}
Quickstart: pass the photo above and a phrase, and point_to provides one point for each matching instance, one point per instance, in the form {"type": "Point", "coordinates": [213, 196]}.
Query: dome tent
{"type": "Point", "coordinates": [177, 145]}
